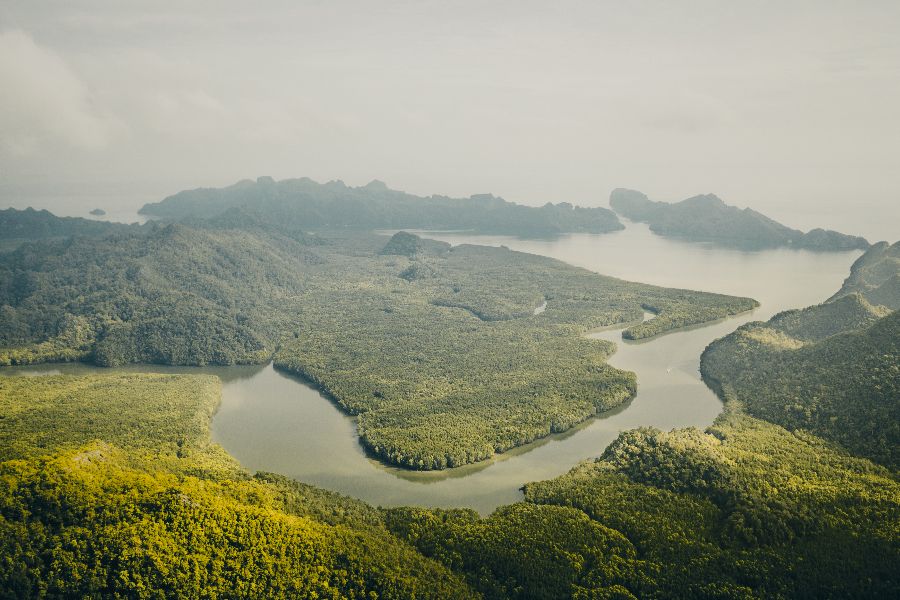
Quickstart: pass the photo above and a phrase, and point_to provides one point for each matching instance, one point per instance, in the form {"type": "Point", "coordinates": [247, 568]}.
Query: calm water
{"type": "Point", "coordinates": [272, 421]}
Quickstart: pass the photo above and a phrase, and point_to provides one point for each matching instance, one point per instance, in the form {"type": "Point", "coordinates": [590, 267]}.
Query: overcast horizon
{"type": "Point", "coordinates": [786, 108]}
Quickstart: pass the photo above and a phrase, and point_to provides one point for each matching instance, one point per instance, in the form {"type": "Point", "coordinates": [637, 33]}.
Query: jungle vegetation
{"type": "Point", "coordinates": [750, 508]}
{"type": "Point", "coordinates": [876, 276]}
{"type": "Point", "coordinates": [437, 349]}
{"type": "Point", "coordinates": [832, 369]}
{"type": "Point", "coordinates": [706, 218]}
{"type": "Point", "coordinates": [110, 487]}
{"type": "Point", "coordinates": [159, 418]}
{"type": "Point", "coordinates": [743, 510]}
{"type": "Point", "coordinates": [746, 509]}
{"type": "Point", "coordinates": [304, 205]}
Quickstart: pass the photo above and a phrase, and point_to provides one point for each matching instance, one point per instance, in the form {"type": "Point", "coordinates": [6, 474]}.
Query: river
{"type": "Point", "coordinates": [275, 422]}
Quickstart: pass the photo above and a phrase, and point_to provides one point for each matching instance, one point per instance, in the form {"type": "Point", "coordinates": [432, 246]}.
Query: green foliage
{"type": "Point", "coordinates": [183, 338]}
{"type": "Point", "coordinates": [73, 341]}
{"type": "Point", "coordinates": [84, 524]}
{"type": "Point", "coordinates": [294, 205]}
{"type": "Point", "coordinates": [744, 510]}
{"type": "Point", "coordinates": [439, 350]}
{"type": "Point", "coordinates": [409, 245]}
{"type": "Point", "coordinates": [304, 500]}
{"type": "Point", "coordinates": [707, 218]}
{"type": "Point", "coordinates": [170, 294]}
{"type": "Point", "coordinates": [832, 369]}
{"type": "Point", "coordinates": [164, 418]}
{"type": "Point", "coordinates": [443, 369]}
{"type": "Point", "coordinates": [165, 513]}
{"type": "Point", "coordinates": [683, 308]}
{"type": "Point", "coordinates": [815, 323]}
{"type": "Point", "coordinates": [452, 368]}
{"type": "Point", "coordinates": [876, 276]}
{"type": "Point", "coordinates": [526, 551]}
{"type": "Point", "coordinates": [844, 387]}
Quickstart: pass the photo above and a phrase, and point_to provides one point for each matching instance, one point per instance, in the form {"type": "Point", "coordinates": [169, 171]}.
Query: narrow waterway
{"type": "Point", "coordinates": [275, 422]}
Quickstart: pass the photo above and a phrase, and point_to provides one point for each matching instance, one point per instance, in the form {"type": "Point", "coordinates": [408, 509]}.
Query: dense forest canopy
{"type": "Point", "coordinates": [707, 218]}
{"type": "Point", "coordinates": [112, 488]}
{"type": "Point", "coordinates": [437, 349]}
{"type": "Point", "coordinates": [303, 204]}
{"type": "Point", "coordinates": [845, 387]}
{"type": "Point", "coordinates": [746, 509]}
{"type": "Point", "coordinates": [833, 369]}
{"type": "Point", "coordinates": [750, 508]}
{"type": "Point", "coordinates": [876, 276]}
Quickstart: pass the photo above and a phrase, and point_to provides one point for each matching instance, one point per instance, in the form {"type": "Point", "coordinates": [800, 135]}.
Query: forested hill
{"type": "Point", "coordinates": [744, 510]}
{"type": "Point", "coordinates": [750, 508]}
{"type": "Point", "coordinates": [707, 218]}
{"type": "Point", "coordinates": [437, 348]}
{"type": "Point", "coordinates": [111, 488]}
{"type": "Point", "coordinates": [833, 369]}
{"type": "Point", "coordinates": [303, 204]}
{"type": "Point", "coordinates": [17, 226]}
{"type": "Point", "coordinates": [876, 276]}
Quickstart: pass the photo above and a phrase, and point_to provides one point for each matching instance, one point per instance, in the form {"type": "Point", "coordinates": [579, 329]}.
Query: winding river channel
{"type": "Point", "coordinates": [274, 422]}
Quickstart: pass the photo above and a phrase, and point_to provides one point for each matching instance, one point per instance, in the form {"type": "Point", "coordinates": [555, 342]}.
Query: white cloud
{"type": "Point", "coordinates": [44, 103]}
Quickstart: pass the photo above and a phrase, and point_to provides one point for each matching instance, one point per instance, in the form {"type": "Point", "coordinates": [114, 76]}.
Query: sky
{"type": "Point", "coordinates": [790, 108]}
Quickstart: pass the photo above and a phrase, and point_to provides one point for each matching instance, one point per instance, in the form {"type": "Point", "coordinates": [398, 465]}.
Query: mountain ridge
{"type": "Point", "coordinates": [303, 204]}
{"type": "Point", "coordinates": [707, 218]}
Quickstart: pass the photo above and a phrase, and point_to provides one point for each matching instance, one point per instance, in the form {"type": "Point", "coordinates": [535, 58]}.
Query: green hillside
{"type": "Point", "coordinates": [844, 388]}
{"type": "Point", "coordinates": [437, 349]}
{"type": "Point", "coordinates": [746, 509]}
{"type": "Point", "coordinates": [815, 323]}
{"type": "Point", "coordinates": [832, 369]}
{"type": "Point", "coordinates": [876, 276]}
{"type": "Point", "coordinates": [750, 508]}
{"type": "Point", "coordinates": [153, 509]}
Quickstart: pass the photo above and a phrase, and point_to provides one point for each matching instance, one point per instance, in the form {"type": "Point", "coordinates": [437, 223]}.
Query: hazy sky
{"type": "Point", "coordinates": [792, 108]}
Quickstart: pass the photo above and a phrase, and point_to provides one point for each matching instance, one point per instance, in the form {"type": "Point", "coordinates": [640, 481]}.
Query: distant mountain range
{"type": "Point", "coordinates": [293, 205]}
{"type": "Point", "coordinates": [707, 218]}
